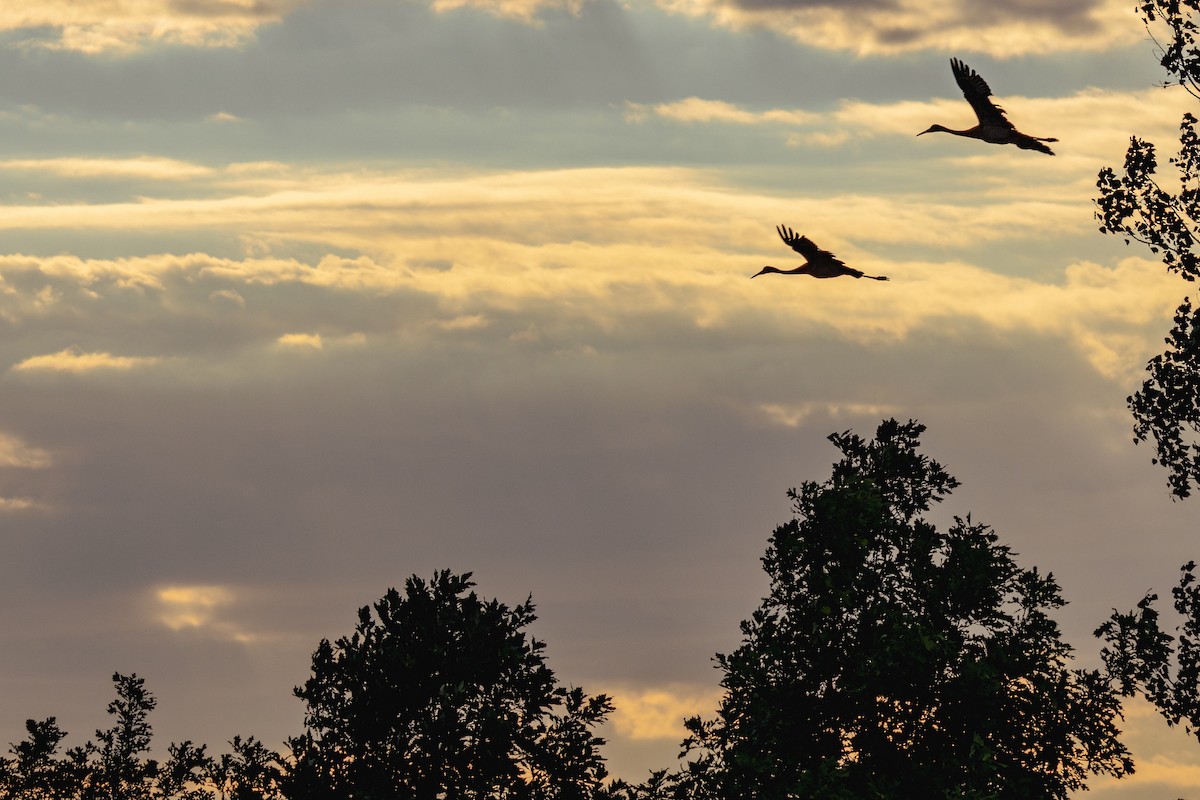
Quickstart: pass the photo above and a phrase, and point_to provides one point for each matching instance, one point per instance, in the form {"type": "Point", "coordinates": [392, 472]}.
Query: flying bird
{"type": "Point", "coordinates": [818, 263]}
{"type": "Point", "coordinates": [993, 126]}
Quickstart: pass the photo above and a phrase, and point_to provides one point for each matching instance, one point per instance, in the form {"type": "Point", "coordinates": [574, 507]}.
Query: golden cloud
{"type": "Point", "coordinates": [304, 341]}
{"type": "Point", "coordinates": [74, 360]}
{"type": "Point", "coordinates": [1091, 124]}
{"type": "Point", "coordinates": [695, 109]}
{"type": "Point", "coordinates": [659, 712]}
{"type": "Point", "coordinates": [315, 342]}
{"type": "Point", "coordinates": [595, 248]}
{"type": "Point", "coordinates": [121, 26]}
{"type": "Point", "coordinates": [18, 504]}
{"type": "Point", "coordinates": [191, 606]}
{"type": "Point", "coordinates": [439, 217]}
{"type": "Point", "coordinates": [793, 415]}
{"type": "Point", "coordinates": [16, 453]}
{"type": "Point", "coordinates": [148, 167]}
{"type": "Point", "coordinates": [1166, 757]}
{"type": "Point", "coordinates": [198, 608]}
{"type": "Point", "coordinates": [524, 10]}
{"type": "Point", "coordinates": [871, 27]}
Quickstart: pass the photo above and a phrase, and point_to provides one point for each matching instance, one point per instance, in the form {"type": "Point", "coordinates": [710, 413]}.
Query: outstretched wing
{"type": "Point", "coordinates": [977, 92]}
{"type": "Point", "coordinates": [805, 247]}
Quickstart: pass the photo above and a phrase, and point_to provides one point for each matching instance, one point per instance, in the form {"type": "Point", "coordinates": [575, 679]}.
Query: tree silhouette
{"type": "Point", "coordinates": [894, 660]}
{"type": "Point", "coordinates": [1172, 26]}
{"type": "Point", "coordinates": [440, 694]}
{"type": "Point", "coordinates": [250, 772]}
{"type": "Point", "coordinates": [1133, 204]}
{"type": "Point", "coordinates": [115, 766]}
{"type": "Point", "coordinates": [1146, 660]}
{"type": "Point", "coordinates": [35, 773]}
{"type": "Point", "coordinates": [120, 772]}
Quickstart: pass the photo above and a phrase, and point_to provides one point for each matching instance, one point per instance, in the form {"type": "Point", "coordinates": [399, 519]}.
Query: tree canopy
{"type": "Point", "coordinates": [439, 693]}
{"type": "Point", "coordinates": [891, 659]}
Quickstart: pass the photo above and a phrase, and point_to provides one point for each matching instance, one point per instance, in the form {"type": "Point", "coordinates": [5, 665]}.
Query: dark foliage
{"type": "Point", "coordinates": [1143, 659]}
{"type": "Point", "coordinates": [121, 769]}
{"type": "Point", "coordinates": [115, 766]}
{"type": "Point", "coordinates": [441, 694]}
{"type": "Point", "coordinates": [1172, 26]}
{"type": "Point", "coordinates": [35, 772]}
{"type": "Point", "coordinates": [894, 660]}
{"type": "Point", "coordinates": [1133, 204]}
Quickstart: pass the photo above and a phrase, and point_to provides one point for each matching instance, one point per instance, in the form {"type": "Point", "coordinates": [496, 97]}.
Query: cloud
{"type": "Point", "coordinates": [229, 296]}
{"type": "Point", "coordinates": [524, 10]}
{"type": "Point", "coordinates": [303, 341]}
{"type": "Point", "coordinates": [1091, 123]}
{"type": "Point", "coordinates": [436, 217]}
{"type": "Point", "coordinates": [18, 504]}
{"type": "Point", "coordinates": [870, 27]}
{"type": "Point", "coordinates": [576, 254]}
{"type": "Point", "coordinates": [123, 26]}
{"type": "Point", "coordinates": [1166, 760]}
{"type": "Point", "coordinates": [199, 608]}
{"type": "Point", "coordinates": [16, 453]}
{"type": "Point", "coordinates": [150, 167]}
{"type": "Point", "coordinates": [658, 712]}
{"type": "Point", "coordinates": [695, 109]}
{"type": "Point", "coordinates": [793, 415]}
{"type": "Point", "coordinates": [75, 360]}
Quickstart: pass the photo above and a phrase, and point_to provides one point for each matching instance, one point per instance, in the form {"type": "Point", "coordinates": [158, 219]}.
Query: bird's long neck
{"type": "Point", "coordinates": [943, 129]}
{"type": "Point", "coordinates": [779, 271]}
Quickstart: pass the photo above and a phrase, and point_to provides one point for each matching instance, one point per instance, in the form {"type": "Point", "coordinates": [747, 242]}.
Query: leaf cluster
{"type": "Point", "coordinates": [1173, 29]}
{"type": "Point", "coordinates": [1133, 204]}
{"type": "Point", "coordinates": [1144, 659]}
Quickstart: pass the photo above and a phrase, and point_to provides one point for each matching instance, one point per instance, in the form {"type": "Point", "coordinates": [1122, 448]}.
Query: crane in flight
{"type": "Point", "coordinates": [993, 126]}
{"type": "Point", "coordinates": [818, 263]}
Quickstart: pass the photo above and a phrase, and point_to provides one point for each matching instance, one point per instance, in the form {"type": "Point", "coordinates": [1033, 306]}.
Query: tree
{"type": "Point", "coordinates": [117, 768]}
{"type": "Point", "coordinates": [121, 772]}
{"type": "Point", "coordinates": [1173, 30]}
{"type": "Point", "coordinates": [35, 773]}
{"type": "Point", "coordinates": [1146, 660]}
{"type": "Point", "coordinates": [440, 694]}
{"type": "Point", "coordinates": [1135, 206]}
{"type": "Point", "coordinates": [186, 773]}
{"type": "Point", "coordinates": [894, 660]}
{"type": "Point", "coordinates": [250, 772]}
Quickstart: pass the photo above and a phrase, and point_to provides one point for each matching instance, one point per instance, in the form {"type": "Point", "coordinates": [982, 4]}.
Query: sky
{"type": "Point", "coordinates": [301, 297]}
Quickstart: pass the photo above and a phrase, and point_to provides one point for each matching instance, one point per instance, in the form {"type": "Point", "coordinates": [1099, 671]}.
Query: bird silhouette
{"type": "Point", "coordinates": [818, 263]}
{"type": "Point", "coordinates": [993, 126]}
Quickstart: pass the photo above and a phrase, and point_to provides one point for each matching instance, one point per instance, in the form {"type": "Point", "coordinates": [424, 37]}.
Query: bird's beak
{"type": "Point", "coordinates": [760, 272]}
